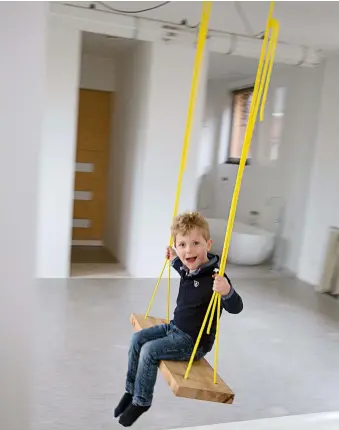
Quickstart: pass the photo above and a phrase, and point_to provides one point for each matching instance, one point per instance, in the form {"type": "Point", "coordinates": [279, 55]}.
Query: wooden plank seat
{"type": "Point", "coordinates": [199, 384]}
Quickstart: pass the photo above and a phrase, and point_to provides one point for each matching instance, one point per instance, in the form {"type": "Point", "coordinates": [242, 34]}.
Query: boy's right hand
{"type": "Point", "coordinates": [170, 253]}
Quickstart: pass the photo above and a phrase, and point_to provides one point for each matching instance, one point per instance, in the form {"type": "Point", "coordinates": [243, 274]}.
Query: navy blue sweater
{"type": "Point", "coordinates": [195, 293]}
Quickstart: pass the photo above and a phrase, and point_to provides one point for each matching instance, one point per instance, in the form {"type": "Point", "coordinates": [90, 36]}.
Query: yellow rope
{"type": "Point", "coordinates": [205, 15]}
{"type": "Point", "coordinates": [258, 87]}
{"type": "Point", "coordinates": [216, 351]}
{"type": "Point", "coordinates": [212, 314]}
{"type": "Point", "coordinates": [262, 79]}
{"type": "Point", "coordinates": [156, 288]}
{"type": "Point", "coordinates": [203, 30]}
{"type": "Point", "coordinates": [271, 55]}
{"type": "Point", "coordinates": [168, 291]}
{"type": "Point", "coordinates": [200, 334]}
{"type": "Point", "coordinates": [262, 57]}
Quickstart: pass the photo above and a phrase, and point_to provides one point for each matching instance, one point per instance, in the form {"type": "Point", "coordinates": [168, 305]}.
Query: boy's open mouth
{"type": "Point", "coordinates": [191, 259]}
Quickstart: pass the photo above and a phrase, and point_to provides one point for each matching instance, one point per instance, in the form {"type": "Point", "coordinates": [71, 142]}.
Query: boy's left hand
{"type": "Point", "coordinates": [221, 285]}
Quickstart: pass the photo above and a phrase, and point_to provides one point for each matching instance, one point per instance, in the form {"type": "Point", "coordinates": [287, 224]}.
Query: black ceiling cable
{"type": "Point", "coordinates": [113, 9]}
{"type": "Point", "coordinates": [184, 22]}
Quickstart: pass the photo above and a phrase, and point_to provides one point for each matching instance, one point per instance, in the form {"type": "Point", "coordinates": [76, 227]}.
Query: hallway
{"type": "Point", "coordinates": [94, 262]}
{"type": "Point", "coordinates": [91, 254]}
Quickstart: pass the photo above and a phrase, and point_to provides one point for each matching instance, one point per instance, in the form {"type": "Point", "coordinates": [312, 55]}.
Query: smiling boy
{"type": "Point", "coordinates": [198, 269]}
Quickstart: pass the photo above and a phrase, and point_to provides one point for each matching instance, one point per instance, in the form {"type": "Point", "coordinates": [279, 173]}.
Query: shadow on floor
{"type": "Point", "coordinates": [91, 254]}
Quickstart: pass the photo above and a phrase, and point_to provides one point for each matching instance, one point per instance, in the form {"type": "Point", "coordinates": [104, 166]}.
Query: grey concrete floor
{"type": "Point", "coordinates": [280, 356]}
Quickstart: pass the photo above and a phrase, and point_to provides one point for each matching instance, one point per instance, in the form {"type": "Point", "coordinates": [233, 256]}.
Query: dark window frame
{"type": "Point", "coordinates": [234, 93]}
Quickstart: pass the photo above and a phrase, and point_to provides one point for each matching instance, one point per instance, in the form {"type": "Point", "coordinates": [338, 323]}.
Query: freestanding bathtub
{"type": "Point", "coordinates": [250, 245]}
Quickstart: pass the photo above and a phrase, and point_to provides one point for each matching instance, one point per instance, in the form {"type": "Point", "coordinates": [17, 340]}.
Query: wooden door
{"type": "Point", "coordinates": [94, 118]}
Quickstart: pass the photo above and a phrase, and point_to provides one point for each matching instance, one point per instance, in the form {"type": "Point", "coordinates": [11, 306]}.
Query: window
{"type": "Point", "coordinates": [241, 104]}
{"type": "Point", "coordinates": [277, 122]}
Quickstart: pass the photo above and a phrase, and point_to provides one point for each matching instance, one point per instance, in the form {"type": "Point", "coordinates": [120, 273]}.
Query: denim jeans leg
{"type": "Point", "coordinates": [138, 340]}
{"type": "Point", "coordinates": [175, 346]}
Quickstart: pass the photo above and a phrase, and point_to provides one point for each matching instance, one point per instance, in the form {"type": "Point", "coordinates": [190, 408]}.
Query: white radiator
{"type": "Point", "coordinates": [330, 278]}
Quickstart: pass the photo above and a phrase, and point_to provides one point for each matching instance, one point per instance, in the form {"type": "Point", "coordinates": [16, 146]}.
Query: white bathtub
{"type": "Point", "coordinates": [250, 245]}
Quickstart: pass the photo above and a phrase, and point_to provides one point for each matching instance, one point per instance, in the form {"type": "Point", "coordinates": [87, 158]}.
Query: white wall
{"type": "Point", "coordinates": [171, 78]}
{"type": "Point", "coordinates": [323, 200]}
{"type": "Point", "coordinates": [125, 191]}
{"type": "Point", "coordinates": [296, 157]}
{"type": "Point", "coordinates": [56, 175]}
{"type": "Point", "coordinates": [286, 178]}
{"type": "Point", "coordinates": [22, 83]}
{"type": "Point", "coordinates": [97, 73]}
{"type": "Point", "coordinates": [148, 140]}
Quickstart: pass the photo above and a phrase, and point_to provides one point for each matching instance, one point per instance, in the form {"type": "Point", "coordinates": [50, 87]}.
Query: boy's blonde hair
{"type": "Point", "coordinates": [187, 221]}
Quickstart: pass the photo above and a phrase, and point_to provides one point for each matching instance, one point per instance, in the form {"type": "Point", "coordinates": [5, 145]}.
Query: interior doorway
{"type": "Point", "coordinates": [91, 171]}
{"type": "Point", "coordinates": [98, 180]}
{"type": "Point", "coordinates": [90, 185]}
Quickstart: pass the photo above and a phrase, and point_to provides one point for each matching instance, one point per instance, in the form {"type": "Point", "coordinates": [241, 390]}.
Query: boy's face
{"type": "Point", "coordinates": [192, 249]}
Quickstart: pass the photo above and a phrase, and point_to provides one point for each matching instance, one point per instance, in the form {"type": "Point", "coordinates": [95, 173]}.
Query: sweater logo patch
{"type": "Point", "coordinates": [196, 284]}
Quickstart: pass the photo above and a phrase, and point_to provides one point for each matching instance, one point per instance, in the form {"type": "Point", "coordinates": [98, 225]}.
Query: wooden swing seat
{"type": "Point", "coordinates": [199, 385]}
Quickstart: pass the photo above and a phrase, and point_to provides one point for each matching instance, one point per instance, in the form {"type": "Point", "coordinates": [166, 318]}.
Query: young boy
{"type": "Point", "coordinates": [175, 341]}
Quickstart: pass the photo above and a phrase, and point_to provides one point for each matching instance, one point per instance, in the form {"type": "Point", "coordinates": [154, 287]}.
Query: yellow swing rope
{"type": "Point", "coordinates": [203, 30]}
{"type": "Point", "coordinates": [261, 84]}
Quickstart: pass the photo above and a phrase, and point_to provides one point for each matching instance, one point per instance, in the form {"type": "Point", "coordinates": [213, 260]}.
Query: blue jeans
{"type": "Point", "coordinates": [148, 348]}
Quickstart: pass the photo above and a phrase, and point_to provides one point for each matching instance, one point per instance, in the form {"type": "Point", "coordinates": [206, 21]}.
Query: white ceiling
{"type": "Point", "coordinates": [301, 23]}
{"type": "Point", "coordinates": [311, 23]}
{"type": "Point", "coordinates": [232, 68]}
{"type": "Point", "coordinates": [103, 46]}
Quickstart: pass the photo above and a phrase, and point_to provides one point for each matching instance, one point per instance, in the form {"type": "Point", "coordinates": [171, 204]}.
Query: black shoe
{"type": "Point", "coordinates": [131, 414]}
{"type": "Point", "coordinates": [125, 401]}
